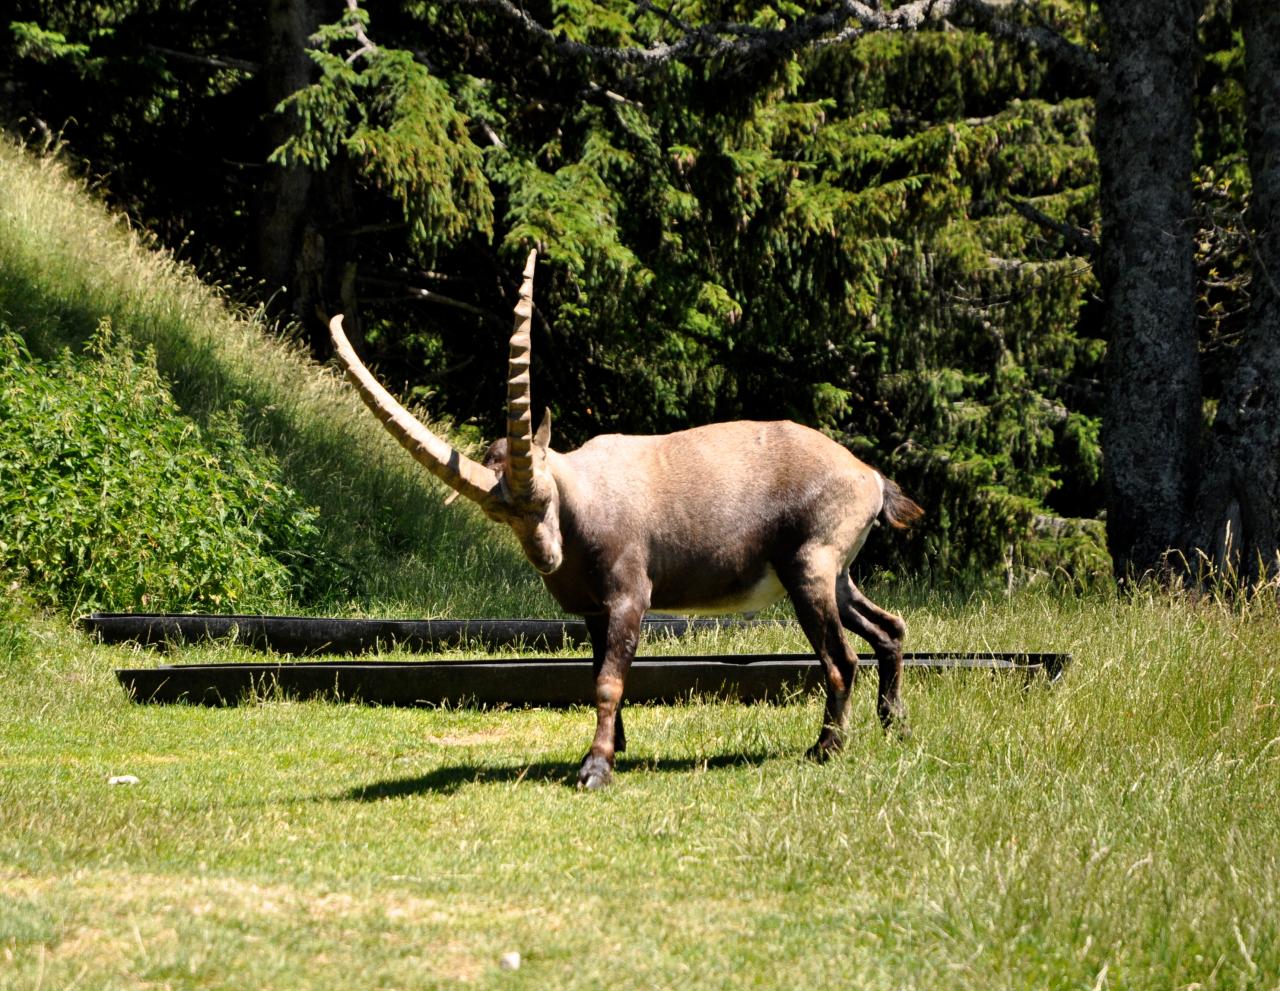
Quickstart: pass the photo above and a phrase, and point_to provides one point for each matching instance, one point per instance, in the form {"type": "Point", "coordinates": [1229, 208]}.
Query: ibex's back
{"type": "Point", "coordinates": [718, 518]}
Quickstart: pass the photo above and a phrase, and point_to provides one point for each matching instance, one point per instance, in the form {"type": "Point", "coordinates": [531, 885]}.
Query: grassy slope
{"type": "Point", "coordinates": [65, 264]}
{"type": "Point", "coordinates": [1116, 831]}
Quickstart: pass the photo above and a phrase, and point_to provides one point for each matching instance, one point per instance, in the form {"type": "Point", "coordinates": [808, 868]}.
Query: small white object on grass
{"type": "Point", "coordinates": [123, 779]}
{"type": "Point", "coordinates": [509, 961]}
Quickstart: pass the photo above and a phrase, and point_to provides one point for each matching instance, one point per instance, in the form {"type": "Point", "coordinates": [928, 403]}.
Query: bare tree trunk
{"type": "Point", "coordinates": [292, 249]}
{"type": "Point", "coordinates": [1238, 522]}
{"type": "Point", "coordinates": [1152, 415]}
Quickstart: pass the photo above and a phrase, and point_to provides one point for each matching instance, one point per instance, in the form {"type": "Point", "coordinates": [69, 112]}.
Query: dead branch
{"type": "Point", "coordinates": [206, 61]}
{"type": "Point", "coordinates": [431, 296]}
{"type": "Point", "coordinates": [367, 47]}
{"type": "Point", "coordinates": [846, 20]}
{"type": "Point", "coordinates": [1076, 239]}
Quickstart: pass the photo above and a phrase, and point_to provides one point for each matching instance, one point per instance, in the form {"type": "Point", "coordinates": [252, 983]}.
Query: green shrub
{"type": "Point", "coordinates": [111, 498]}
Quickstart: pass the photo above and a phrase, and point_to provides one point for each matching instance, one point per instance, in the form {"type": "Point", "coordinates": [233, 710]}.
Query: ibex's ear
{"type": "Point", "coordinates": [543, 437]}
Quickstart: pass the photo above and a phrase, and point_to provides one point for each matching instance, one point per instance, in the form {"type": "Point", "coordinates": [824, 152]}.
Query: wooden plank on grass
{"type": "Point", "coordinates": [317, 636]}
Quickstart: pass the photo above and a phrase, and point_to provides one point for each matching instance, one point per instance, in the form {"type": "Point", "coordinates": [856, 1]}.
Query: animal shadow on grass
{"type": "Point", "coordinates": [447, 780]}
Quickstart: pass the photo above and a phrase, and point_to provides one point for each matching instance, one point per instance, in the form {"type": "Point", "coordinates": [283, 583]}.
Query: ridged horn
{"type": "Point", "coordinates": [464, 476]}
{"type": "Point", "coordinates": [519, 420]}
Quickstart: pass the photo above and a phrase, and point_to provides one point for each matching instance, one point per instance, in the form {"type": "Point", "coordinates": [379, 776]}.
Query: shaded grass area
{"type": "Point", "coordinates": [66, 264]}
{"type": "Point", "coordinates": [1118, 830]}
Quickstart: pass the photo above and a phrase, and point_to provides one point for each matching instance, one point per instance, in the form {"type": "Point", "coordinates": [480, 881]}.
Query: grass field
{"type": "Point", "coordinates": [1118, 830]}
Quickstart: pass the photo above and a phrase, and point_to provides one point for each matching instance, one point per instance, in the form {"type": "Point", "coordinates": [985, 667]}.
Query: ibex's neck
{"type": "Point", "coordinates": [568, 484]}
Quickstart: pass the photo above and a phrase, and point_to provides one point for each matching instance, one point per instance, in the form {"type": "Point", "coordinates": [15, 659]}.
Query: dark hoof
{"type": "Point", "coordinates": [894, 721]}
{"type": "Point", "coordinates": [595, 772]}
{"type": "Point", "coordinates": [823, 750]}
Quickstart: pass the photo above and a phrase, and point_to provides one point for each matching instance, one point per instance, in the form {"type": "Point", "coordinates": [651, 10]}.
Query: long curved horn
{"type": "Point", "coordinates": [467, 477]}
{"type": "Point", "coordinates": [519, 420]}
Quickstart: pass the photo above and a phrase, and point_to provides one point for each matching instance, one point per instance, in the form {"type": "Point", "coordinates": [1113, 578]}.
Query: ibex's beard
{"type": "Point", "coordinates": [548, 565]}
{"type": "Point", "coordinates": [540, 538]}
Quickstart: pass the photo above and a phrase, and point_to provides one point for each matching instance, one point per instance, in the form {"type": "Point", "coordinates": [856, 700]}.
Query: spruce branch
{"type": "Point", "coordinates": [989, 15]}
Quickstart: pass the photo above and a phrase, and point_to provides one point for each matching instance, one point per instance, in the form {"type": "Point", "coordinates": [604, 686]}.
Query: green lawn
{"type": "Point", "coordinates": [1117, 830]}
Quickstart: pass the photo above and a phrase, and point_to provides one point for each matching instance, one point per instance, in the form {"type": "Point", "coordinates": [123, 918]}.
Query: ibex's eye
{"type": "Point", "coordinates": [495, 458]}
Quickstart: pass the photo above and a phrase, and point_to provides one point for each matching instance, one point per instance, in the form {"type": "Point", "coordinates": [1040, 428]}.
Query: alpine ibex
{"type": "Point", "coordinates": [721, 518]}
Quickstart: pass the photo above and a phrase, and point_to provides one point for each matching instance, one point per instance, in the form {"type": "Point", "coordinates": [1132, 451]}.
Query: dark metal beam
{"type": "Point", "coordinates": [532, 681]}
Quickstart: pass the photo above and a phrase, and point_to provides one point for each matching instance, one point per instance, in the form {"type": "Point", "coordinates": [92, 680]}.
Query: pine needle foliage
{"type": "Point", "coordinates": [840, 236]}
{"type": "Point", "coordinates": [398, 123]}
{"type": "Point", "coordinates": [835, 243]}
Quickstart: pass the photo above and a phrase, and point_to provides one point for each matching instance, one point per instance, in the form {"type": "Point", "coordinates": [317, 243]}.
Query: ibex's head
{"type": "Point", "coordinates": [530, 502]}
{"type": "Point", "coordinates": [518, 489]}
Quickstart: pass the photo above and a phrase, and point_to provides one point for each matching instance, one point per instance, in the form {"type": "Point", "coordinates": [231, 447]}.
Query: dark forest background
{"type": "Point", "coordinates": [1013, 254]}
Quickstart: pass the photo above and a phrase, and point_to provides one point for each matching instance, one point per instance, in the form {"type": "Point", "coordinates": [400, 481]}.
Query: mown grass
{"type": "Point", "coordinates": [1116, 830]}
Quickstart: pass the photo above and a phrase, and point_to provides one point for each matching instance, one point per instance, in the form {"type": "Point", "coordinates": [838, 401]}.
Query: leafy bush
{"type": "Point", "coordinates": [111, 498]}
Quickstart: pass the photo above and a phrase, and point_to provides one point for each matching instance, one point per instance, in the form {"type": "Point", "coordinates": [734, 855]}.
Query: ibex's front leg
{"type": "Point", "coordinates": [614, 637]}
{"type": "Point", "coordinates": [598, 630]}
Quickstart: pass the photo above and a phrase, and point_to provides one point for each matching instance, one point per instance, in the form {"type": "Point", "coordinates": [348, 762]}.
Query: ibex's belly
{"type": "Point", "coordinates": [764, 592]}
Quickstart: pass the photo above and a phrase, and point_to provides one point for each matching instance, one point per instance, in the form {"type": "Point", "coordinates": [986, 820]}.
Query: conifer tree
{"type": "Point", "coordinates": [857, 216]}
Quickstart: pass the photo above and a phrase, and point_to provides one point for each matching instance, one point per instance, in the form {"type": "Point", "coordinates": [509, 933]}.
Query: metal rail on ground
{"type": "Point", "coordinates": [541, 681]}
{"type": "Point", "coordinates": [311, 636]}
{"type": "Point", "coordinates": [544, 681]}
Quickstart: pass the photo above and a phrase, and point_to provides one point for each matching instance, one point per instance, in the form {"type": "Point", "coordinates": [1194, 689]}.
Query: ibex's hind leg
{"type": "Point", "coordinates": [810, 583]}
{"type": "Point", "coordinates": [884, 632]}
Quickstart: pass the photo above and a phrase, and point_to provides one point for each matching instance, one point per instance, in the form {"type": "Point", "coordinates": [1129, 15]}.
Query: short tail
{"type": "Point", "coordinates": [898, 511]}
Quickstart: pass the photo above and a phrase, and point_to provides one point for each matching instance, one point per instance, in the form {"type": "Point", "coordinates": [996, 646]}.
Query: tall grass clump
{"type": "Point", "coordinates": [66, 264]}
{"type": "Point", "coordinates": [113, 499]}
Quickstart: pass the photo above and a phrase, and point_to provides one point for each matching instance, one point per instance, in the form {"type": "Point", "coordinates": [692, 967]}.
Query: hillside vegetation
{"type": "Point", "coordinates": [113, 499]}
{"type": "Point", "coordinates": [374, 524]}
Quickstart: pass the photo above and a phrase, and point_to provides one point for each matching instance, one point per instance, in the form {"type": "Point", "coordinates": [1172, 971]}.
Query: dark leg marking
{"type": "Point", "coordinates": [612, 654]}
{"type": "Point", "coordinates": [884, 632]}
{"type": "Point", "coordinates": [598, 631]}
{"type": "Point", "coordinates": [812, 594]}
